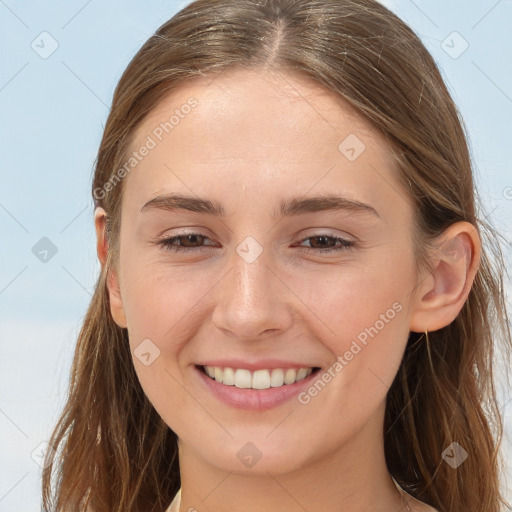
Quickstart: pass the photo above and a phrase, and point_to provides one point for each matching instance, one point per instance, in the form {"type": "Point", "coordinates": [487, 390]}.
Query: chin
{"type": "Point", "coordinates": [257, 457]}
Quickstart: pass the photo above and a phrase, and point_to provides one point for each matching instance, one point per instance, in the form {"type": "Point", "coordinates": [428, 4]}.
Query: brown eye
{"type": "Point", "coordinates": [327, 243]}
{"type": "Point", "coordinates": [186, 242]}
{"type": "Point", "coordinates": [194, 241]}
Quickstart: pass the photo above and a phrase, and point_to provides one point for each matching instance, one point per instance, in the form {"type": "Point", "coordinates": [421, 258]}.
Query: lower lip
{"type": "Point", "coordinates": [254, 399]}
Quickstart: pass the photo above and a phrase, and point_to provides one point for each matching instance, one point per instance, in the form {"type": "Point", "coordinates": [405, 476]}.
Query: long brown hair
{"type": "Point", "coordinates": [115, 452]}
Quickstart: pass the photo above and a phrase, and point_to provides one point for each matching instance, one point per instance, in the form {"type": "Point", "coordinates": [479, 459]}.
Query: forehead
{"type": "Point", "coordinates": [255, 106]}
{"type": "Point", "coordinates": [259, 131]}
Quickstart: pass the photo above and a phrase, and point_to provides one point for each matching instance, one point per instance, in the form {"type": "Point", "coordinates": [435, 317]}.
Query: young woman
{"type": "Point", "coordinates": [298, 303]}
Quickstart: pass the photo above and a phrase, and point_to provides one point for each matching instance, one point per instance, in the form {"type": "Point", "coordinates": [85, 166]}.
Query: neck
{"type": "Point", "coordinates": [352, 477]}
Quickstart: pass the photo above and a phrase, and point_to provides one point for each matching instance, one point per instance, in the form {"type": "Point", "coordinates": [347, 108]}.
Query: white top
{"type": "Point", "coordinates": [424, 506]}
{"type": "Point", "coordinates": [176, 502]}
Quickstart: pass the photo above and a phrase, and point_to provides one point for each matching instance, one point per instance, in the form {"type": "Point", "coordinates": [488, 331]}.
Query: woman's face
{"type": "Point", "coordinates": [256, 287]}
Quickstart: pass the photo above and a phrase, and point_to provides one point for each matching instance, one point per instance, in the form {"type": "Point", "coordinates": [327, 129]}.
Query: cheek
{"type": "Point", "coordinates": [162, 306]}
{"type": "Point", "coordinates": [361, 316]}
{"type": "Point", "coordinates": [161, 300]}
{"type": "Point", "coordinates": [348, 302]}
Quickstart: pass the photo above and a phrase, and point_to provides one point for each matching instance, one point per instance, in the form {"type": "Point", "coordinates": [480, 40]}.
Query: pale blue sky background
{"type": "Point", "coordinates": [52, 112]}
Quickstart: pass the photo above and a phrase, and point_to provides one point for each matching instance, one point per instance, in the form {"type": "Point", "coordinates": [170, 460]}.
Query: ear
{"type": "Point", "coordinates": [441, 293]}
{"type": "Point", "coordinates": [116, 303]}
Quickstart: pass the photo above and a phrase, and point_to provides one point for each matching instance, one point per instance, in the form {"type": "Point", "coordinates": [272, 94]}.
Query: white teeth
{"type": "Point", "coordinates": [228, 377]}
{"type": "Point", "coordinates": [289, 376]}
{"type": "Point", "coordinates": [277, 378]}
{"type": "Point", "coordinates": [242, 378]}
{"type": "Point", "coordinates": [260, 379]}
{"type": "Point", "coordinates": [302, 374]}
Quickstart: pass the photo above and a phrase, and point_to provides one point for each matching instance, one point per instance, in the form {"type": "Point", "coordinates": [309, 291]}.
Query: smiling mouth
{"type": "Point", "coordinates": [259, 379]}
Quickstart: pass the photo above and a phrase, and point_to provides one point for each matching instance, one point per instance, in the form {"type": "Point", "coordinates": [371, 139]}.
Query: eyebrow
{"type": "Point", "coordinates": [288, 208]}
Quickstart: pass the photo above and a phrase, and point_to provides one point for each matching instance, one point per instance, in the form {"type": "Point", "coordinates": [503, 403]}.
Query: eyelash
{"type": "Point", "coordinates": [167, 243]}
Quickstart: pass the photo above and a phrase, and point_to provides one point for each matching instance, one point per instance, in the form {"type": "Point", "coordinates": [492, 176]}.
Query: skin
{"type": "Point", "coordinates": [253, 140]}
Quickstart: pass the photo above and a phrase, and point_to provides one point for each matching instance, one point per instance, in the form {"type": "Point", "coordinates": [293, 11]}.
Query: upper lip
{"type": "Point", "coordinates": [262, 364]}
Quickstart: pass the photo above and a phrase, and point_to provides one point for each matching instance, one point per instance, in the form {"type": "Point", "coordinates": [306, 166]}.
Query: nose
{"type": "Point", "coordinates": [252, 300]}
